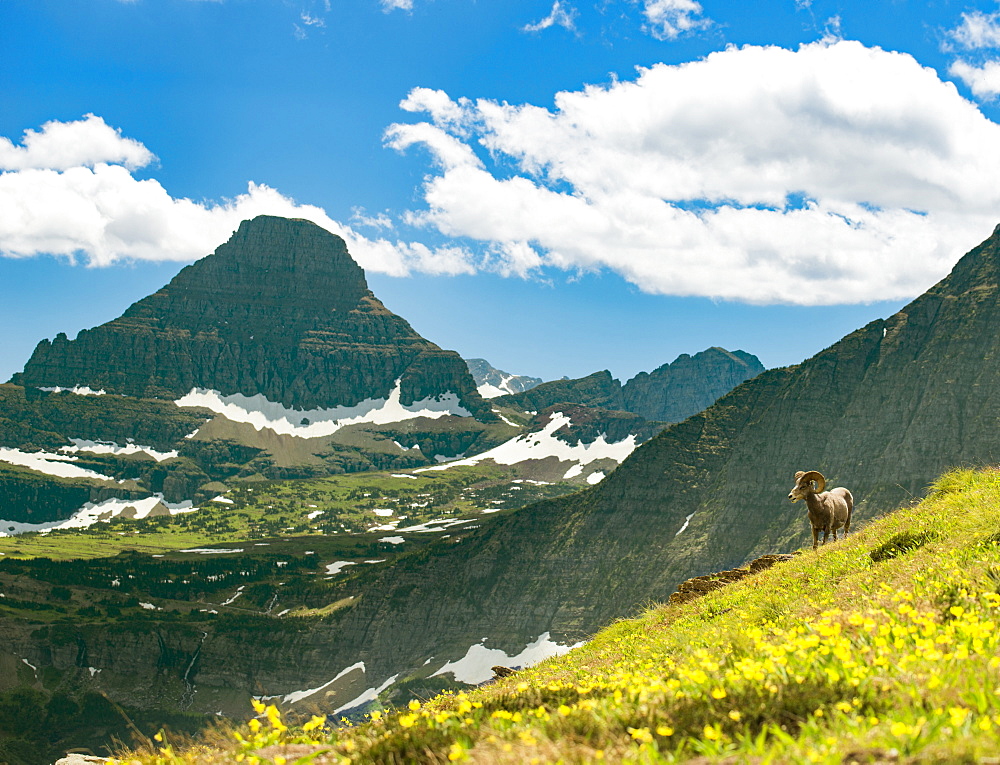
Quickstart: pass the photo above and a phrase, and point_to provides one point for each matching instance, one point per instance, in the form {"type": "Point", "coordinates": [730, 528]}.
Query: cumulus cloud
{"type": "Point", "coordinates": [977, 30]}
{"type": "Point", "coordinates": [669, 19]}
{"type": "Point", "coordinates": [983, 81]}
{"type": "Point", "coordinates": [62, 145]}
{"type": "Point", "coordinates": [68, 190]}
{"type": "Point", "coordinates": [834, 173]}
{"type": "Point", "coordinates": [561, 15]}
{"type": "Point", "coordinates": [394, 5]}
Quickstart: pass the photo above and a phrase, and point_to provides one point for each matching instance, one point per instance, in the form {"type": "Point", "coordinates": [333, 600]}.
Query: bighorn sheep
{"type": "Point", "coordinates": [828, 510]}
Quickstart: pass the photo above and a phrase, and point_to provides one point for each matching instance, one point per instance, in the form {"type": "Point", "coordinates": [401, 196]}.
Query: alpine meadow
{"type": "Point", "coordinates": [547, 381]}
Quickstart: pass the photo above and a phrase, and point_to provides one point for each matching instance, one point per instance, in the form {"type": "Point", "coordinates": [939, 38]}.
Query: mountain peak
{"type": "Point", "coordinates": [280, 310]}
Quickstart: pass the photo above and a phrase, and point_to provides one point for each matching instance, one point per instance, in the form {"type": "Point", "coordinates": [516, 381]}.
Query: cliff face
{"type": "Point", "coordinates": [674, 392]}
{"type": "Point", "coordinates": [599, 389]}
{"type": "Point", "coordinates": [280, 310]}
{"type": "Point", "coordinates": [670, 393]}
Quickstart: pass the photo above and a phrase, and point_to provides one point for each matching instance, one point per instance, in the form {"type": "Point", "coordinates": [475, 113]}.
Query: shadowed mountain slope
{"type": "Point", "coordinates": [670, 393]}
{"type": "Point", "coordinates": [883, 412]}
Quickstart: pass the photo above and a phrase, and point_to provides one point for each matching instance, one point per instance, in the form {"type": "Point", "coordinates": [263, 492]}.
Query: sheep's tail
{"type": "Point", "coordinates": [850, 509]}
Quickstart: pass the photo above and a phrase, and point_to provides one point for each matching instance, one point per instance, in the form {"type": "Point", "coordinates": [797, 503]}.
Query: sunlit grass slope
{"type": "Point", "coordinates": [881, 647]}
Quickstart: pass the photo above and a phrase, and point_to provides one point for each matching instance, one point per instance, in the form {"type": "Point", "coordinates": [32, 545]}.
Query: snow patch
{"type": "Point", "coordinates": [92, 513]}
{"type": "Point", "coordinates": [338, 566]}
{"type": "Point", "coordinates": [212, 550]}
{"type": "Point", "coordinates": [224, 500]}
{"type": "Point", "coordinates": [393, 540]}
{"type": "Point", "coordinates": [80, 390]}
{"type": "Point", "coordinates": [370, 695]}
{"type": "Point", "coordinates": [256, 410]}
{"type": "Point", "coordinates": [291, 698]}
{"type": "Point", "coordinates": [596, 477]}
{"type": "Point", "coordinates": [491, 391]}
{"type": "Point", "coordinates": [687, 520]}
{"type": "Point", "coordinates": [51, 464]}
{"type": "Point", "coordinates": [382, 512]}
{"type": "Point", "coordinates": [500, 415]}
{"type": "Point", "coordinates": [149, 606]}
{"type": "Point", "coordinates": [314, 514]}
{"type": "Point", "coordinates": [239, 591]}
{"type": "Point", "coordinates": [436, 525]}
{"type": "Point", "coordinates": [402, 475]}
{"type": "Point", "coordinates": [474, 667]}
{"type": "Point", "coordinates": [543, 444]}
{"type": "Point", "coordinates": [110, 447]}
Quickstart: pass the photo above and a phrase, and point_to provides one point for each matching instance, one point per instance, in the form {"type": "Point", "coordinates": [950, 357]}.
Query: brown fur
{"type": "Point", "coordinates": [828, 511]}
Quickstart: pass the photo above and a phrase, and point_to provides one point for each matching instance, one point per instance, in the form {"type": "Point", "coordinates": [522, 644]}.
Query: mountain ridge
{"type": "Point", "coordinates": [670, 393]}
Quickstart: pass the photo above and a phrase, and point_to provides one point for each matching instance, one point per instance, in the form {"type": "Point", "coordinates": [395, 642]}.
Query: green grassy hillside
{"type": "Point", "coordinates": [883, 647]}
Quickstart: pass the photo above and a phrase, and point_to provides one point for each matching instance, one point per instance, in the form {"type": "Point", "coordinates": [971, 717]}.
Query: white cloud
{"type": "Point", "coordinates": [669, 19]}
{"type": "Point", "coordinates": [62, 145]}
{"type": "Point", "coordinates": [977, 30]}
{"type": "Point", "coordinates": [561, 15]}
{"type": "Point", "coordinates": [834, 173]}
{"type": "Point", "coordinates": [394, 5]}
{"type": "Point", "coordinates": [983, 81]}
{"type": "Point", "coordinates": [68, 191]}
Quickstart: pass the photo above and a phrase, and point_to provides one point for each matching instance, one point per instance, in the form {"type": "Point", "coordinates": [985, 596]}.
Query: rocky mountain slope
{"type": "Point", "coordinates": [493, 382]}
{"type": "Point", "coordinates": [267, 360]}
{"type": "Point", "coordinates": [670, 393]}
{"type": "Point", "coordinates": [883, 411]}
{"type": "Point", "coordinates": [281, 311]}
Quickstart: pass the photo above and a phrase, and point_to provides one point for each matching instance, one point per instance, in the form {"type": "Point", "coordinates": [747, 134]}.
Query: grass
{"type": "Point", "coordinates": [336, 505]}
{"type": "Point", "coordinates": [832, 657]}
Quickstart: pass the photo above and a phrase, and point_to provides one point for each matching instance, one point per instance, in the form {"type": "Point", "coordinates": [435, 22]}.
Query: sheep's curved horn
{"type": "Point", "coordinates": [812, 475]}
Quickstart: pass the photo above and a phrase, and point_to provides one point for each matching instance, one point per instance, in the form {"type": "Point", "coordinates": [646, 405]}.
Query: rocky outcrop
{"type": "Point", "coordinates": [702, 585]}
{"type": "Point", "coordinates": [280, 310]}
{"type": "Point", "coordinates": [670, 393]}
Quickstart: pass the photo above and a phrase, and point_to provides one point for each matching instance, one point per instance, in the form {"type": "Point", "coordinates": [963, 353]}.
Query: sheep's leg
{"type": "Point", "coordinates": [834, 535]}
{"type": "Point", "coordinates": [815, 537]}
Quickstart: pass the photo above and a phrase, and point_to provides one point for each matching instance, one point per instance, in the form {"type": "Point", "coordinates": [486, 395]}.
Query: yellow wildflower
{"type": "Point", "coordinates": [641, 734]}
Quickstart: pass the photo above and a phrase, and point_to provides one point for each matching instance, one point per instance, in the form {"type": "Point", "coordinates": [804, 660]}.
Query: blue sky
{"type": "Point", "coordinates": [558, 187]}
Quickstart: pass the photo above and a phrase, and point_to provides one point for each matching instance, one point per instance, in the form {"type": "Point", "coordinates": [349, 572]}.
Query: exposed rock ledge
{"type": "Point", "coordinates": [702, 585]}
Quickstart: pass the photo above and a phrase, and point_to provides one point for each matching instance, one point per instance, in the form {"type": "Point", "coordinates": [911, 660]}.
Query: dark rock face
{"type": "Point", "coordinates": [599, 389]}
{"type": "Point", "coordinates": [670, 393]}
{"type": "Point", "coordinates": [281, 310]}
{"type": "Point", "coordinates": [674, 392]}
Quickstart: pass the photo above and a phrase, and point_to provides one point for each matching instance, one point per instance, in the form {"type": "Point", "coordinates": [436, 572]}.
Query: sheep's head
{"type": "Point", "coordinates": [804, 484]}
